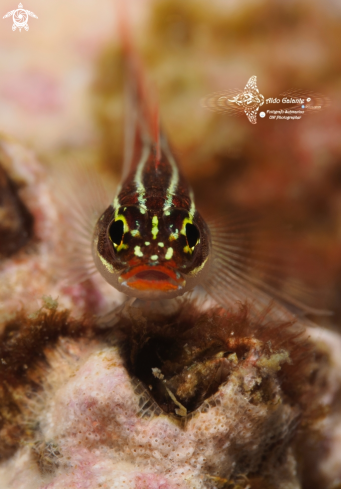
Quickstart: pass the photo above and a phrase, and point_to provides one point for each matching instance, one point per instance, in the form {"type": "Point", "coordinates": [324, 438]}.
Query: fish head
{"type": "Point", "coordinates": [151, 254]}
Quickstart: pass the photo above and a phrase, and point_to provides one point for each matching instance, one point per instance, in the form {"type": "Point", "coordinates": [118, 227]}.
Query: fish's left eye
{"type": "Point", "coordinates": [192, 235]}
{"type": "Point", "coordinates": [116, 230]}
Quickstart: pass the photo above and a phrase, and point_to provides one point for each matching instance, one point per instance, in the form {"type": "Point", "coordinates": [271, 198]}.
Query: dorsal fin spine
{"type": "Point", "coordinates": [146, 118]}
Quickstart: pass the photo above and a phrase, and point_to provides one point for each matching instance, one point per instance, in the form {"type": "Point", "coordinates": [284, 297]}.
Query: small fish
{"type": "Point", "coordinates": [149, 240]}
{"type": "Point", "coordinates": [248, 100]}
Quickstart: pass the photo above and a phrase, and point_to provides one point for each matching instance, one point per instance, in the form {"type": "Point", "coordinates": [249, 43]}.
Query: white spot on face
{"type": "Point", "coordinates": [169, 253]}
{"type": "Point", "coordinates": [135, 232]}
{"type": "Point", "coordinates": [155, 229]}
{"type": "Point", "coordinates": [137, 251]}
{"type": "Point", "coordinates": [147, 243]}
{"type": "Point", "coordinates": [154, 257]}
{"type": "Point", "coordinates": [161, 245]}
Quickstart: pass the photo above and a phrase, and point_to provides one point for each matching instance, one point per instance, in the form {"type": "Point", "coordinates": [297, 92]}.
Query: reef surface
{"type": "Point", "coordinates": [199, 398]}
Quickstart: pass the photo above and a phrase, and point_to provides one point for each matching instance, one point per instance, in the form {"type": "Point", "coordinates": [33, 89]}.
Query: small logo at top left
{"type": "Point", "coordinates": [20, 18]}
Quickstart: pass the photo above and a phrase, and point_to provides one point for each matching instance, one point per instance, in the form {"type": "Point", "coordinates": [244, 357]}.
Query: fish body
{"type": "Point", "coordinates": [150, 242]}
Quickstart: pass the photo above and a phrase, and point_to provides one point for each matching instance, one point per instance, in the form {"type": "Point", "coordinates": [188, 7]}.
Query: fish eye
{"type": "Point", "coordinates": [192, 235]}
{"type": "Point", "coordinates": [116, 231]}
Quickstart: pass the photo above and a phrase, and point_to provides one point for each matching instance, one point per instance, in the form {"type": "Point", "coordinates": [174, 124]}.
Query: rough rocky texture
{"type": "Point", "coordinates": [34, 271]}
{"type": "Point", "coordinates": [109, 403]}
{"type": "Point", "coordinates": [16, 221]}
{"type": "Point", "coordinates": [77, 417]}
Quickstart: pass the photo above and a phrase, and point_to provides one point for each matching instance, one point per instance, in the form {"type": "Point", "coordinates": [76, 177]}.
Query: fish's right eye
{"type": "Point", "coordinates": [192, 235]}
{"type": "Point", "coordinates": [116, 231]}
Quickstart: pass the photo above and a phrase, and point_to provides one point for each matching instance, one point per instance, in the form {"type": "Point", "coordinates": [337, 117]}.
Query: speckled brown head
{"type": "Point", "coordinates": [151, 242]}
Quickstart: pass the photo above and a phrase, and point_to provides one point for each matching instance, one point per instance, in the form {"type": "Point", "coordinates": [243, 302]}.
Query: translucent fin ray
{"type": "Point", "coordinates": [81, 197]}
{"type": "Point", "coordinates": [243, 270]}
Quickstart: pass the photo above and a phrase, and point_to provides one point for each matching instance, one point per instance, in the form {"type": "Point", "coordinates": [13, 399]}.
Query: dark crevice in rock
{"type": "Point", "coordinates": [16, 222]}
{"type": "Point", "coordinates": [184, 358]}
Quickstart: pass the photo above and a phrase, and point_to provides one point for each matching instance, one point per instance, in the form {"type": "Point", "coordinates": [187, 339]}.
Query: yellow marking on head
{"type": "Point", "coordinates": [187, 220]}
{"type": "Point", "coordinates": [138, 179]}
{"type": "Point", "coordinates": [120, 217]}
{"type": "Point", "coordinates": [137, 251]}
{"type": "Point", "coordinates": [147, 243]}
{"type": "Point", "coordinates": [187, 249]}
{"type": "Point", "coordinates": [173, 181]}
{"type": "Point", "coordinates": [198, 269]}
{"type": "Point", "coordinates": [174, 236]}
{"type": "Point", "coordinates": [123, 219]}
{"type": "Point", "coordinates": [155, 229]}
{"type": "Point", "coordinates": [154, 257]}
{"type": "Point", "coordinates": [122, 247]}
{"type": "Point", "coordinates": [107, 265]}
{"type": "Point", "coordinates": [161, 245]}
{"type": "Point", "coordinates": [169, 253]}
{"type": "Point", "coordinates": [135, 232]}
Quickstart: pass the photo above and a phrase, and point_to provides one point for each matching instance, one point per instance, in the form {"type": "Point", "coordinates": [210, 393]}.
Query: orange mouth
{"type": "Point", "coordinates": [146, 278]}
